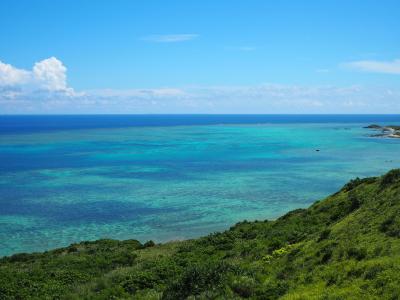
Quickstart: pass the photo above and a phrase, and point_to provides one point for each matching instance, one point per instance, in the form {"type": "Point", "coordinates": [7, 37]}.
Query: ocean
{"type": "Point", "coordinates": [65, 179]}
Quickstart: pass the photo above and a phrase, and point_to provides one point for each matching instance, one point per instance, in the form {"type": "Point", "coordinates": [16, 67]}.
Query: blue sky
{"type": "Point", "coordinates": [199, 56]}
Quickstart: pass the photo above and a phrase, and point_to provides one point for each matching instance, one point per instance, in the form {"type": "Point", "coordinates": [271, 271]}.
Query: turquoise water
{"type": "Point", "coordinates": [174, 182]}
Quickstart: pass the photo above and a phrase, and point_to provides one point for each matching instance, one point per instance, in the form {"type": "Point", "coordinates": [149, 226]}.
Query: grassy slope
{"type": "Point", "coordinates": [346, 246]}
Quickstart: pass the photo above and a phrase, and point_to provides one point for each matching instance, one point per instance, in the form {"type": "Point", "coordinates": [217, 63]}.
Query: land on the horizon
{"type": "Point", "coordinates": [390, 131]}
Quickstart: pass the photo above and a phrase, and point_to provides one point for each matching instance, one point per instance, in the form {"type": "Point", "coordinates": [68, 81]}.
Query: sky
{"type": "Point", "coordinates": [204, 56]}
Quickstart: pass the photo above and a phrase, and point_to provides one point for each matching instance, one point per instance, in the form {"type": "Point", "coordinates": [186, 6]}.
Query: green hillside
{"type": "Point", "coordinates": [346, 246]}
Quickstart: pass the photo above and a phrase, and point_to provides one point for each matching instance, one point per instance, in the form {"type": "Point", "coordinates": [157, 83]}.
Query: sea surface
{"type": "Point", "coordinates": [65, 179]}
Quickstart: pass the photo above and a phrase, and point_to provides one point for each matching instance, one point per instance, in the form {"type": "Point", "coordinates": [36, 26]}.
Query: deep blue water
{"type": "Point", "coordinates": [65, 179]}
{"type": "Point", "coordinates": [36, 123]}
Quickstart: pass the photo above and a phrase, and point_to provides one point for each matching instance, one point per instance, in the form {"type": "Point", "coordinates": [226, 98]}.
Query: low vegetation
{"type": "Point", "coordinates": [344, 247]}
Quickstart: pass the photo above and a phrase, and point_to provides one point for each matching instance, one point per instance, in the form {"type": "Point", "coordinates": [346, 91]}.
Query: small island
{"type": "Point", "coordinates": [390, 131]}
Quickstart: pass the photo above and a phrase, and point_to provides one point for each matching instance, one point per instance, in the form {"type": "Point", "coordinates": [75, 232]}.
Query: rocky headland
{"type": "Point", "coordinates": [390, 131]}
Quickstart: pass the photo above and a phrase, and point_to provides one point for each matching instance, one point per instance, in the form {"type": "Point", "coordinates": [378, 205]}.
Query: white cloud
{"type": "Point", "coordinates": [10, 76]}
{"type": "Point", "coordinates": [374, 66]}
{"type": "Point", "coordinates": [170, 38]}
{"type": "Point", "coordinates": [51, 74]}
{"type": "Point", "coordinates": [138, 93]}
{"type": "Point", "coordinates": [46, 75]}
{"type": "Point", "coordinates": [44, 89]}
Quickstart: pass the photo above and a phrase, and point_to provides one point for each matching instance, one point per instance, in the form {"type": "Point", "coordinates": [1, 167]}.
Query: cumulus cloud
{"type": "Point", "coordinates": [44, 89]}
{"type": "Point", "coordinates": [11, 76]}
{"type": "Point", "coordinates": [46, 75]}
{"type": "Point", "coordinates": [170, 38]}
{"type": "Point", "coordinates": [374, 66]}
{"type": "Point", "coordinates": [51, 74]}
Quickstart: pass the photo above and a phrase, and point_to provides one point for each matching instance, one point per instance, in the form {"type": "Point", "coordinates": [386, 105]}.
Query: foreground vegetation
{"type": "Point", "coordinates": [344, 247]}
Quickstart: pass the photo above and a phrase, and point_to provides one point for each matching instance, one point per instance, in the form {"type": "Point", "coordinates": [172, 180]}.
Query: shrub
{"type": "Point", "coordinates": [271, 289]}
{"type": "Point", "coordinates": [354, 202]}
{"type": "Point", "coordinates": [293, 253]}
{"type": "Point", "coordinates": [149, 244]}
{"type": "Point", "coordinates": [352, 184]}
{"type": "Point", "coordinates": [326, 253]}
{"type": "Point", "coordinates": [390, 177]}
{"type": "Point", "coordinates": [276, 243]}
{"type": "Point", "coordinates": [72, 249]}
{"type": "Point", "coordinates": [124, 259]}
{"type": "Point", "coordinates": [197, 279]}
{"type": "Point", "coordinates": [243, 286]}
{"type": "Point", "coordinates": [267, 258]}
{"type": "Point", "coordinates": [372, 272]}
{"type": "Point", "coordinates": [279, 252]}
{"type": "Point", "coordinates": [138, 281]}
{"type": "Point", "coordinates": [20, 257]}
{"type": "Point", "coordinates": [391, 226]}
{"type": "Point", "coordinates": [324, 234]}
{"type": "Point", "coordinates": [356, 253]}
